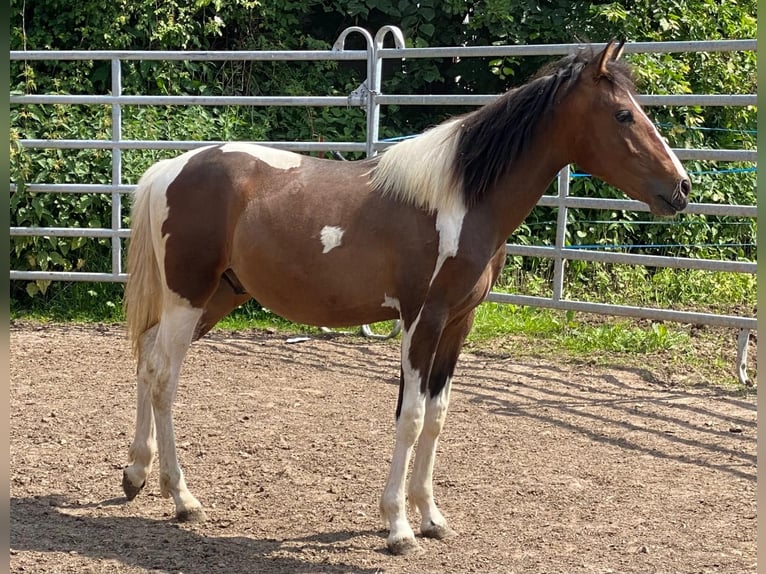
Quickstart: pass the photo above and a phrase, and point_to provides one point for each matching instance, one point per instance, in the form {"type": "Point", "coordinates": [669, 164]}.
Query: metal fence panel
{"type": "Point", "coordinates": [369, 97]}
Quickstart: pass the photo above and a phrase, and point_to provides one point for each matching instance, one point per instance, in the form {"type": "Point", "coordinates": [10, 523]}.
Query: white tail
{"type": "Point", "coordinates": [143, 292]}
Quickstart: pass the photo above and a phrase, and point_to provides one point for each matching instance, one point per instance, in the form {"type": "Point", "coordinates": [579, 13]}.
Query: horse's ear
{"type": "Point", "coordinates": [618, 50]}
{"type": "Point", "coordinates": [606, 56]}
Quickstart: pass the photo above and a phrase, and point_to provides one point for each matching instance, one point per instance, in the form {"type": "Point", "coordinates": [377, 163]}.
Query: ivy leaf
{"type": "Point", "coordinates": [427, 29]}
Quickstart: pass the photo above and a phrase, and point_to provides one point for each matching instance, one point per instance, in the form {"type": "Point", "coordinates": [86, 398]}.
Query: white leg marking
{"type": "Point", "coordinates": [421, 493]}
{"type": "Point", "coordinates": [673, 157]}
{"type": "Point", "coordinates": [144, 446]}
{"type": "Point", "coordinates": [174, 336]}
{"type": "Point", "coordinates": [331, 237]}
{"type": "Point", "coordinates": [401, 538]}
{"type": "Point", "coordinates": [278, 158]}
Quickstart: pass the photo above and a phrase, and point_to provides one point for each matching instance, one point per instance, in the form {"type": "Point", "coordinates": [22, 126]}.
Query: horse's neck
{"type": "Point", "coordinates": [521, 187]}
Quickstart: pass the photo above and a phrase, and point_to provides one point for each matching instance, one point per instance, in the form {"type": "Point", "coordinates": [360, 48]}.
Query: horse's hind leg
{"type": "Point", "coordinates": [161, 352]}
{"type": "Point", "coordinates": [144, 446]}
{"type": "Point", "coordinates": [163, 365]}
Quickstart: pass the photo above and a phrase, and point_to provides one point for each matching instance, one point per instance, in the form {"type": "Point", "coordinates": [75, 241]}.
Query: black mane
{"type": "Point", "coordinates": [495, 135]}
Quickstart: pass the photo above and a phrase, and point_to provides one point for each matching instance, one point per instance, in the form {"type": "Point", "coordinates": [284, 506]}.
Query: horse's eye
{"type": "Point", "coordinates": [624, 116]}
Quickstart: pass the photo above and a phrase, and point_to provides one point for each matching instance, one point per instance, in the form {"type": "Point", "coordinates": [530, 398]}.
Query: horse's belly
{"type": "Point", "coordinates": [324, 295]}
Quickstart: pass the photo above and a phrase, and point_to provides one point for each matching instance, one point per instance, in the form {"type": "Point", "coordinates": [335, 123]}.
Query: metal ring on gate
{"type": "Point", "coordinates": [395, 330]}
{"type": "Point", "coordinates": [366, 331]}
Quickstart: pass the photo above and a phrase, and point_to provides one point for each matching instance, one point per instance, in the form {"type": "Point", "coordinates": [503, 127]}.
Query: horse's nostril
{"type": "Point", "coordinates": [686, 187]}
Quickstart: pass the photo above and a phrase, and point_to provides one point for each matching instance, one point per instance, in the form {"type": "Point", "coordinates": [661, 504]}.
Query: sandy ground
{"type": "Point", "coordinates": [543, 466]}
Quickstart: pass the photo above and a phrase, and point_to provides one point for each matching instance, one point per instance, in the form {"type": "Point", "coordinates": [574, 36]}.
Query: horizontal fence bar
{"type": "Point", "coordinates": [746, 45]}
{"type": "Point", "coordinates": [74, 188]}
{"type": "Point", "coordinates": [744, 155]}
{"type": "Point", "coordinates": [698, 100]}
{"type": "Point", "coordinates": [741, 155]}
{"type": "Point", "coordinates": [647, 100]}
{"type": "Point", "coordinates": [382, 99]}
{"type": "Point", "coordinates": [68, 232]}
{"type": "Point", "coordinates": [184, 100]}
{"type": "Point", "coordinates": [563, 304]}
{"type": "Point", "coordinates": [186, 145]}
{"type": "Point", "coordinates": [574, 202]}
{"type": "Point", "coordinates": [190, 55]}
{"type": "Point", "coordinates": [651, 313]}
{"type": "Point", "coordinates": [682, 153]}
{"type": "Point", "coordinates": [68, 276]}
{"type": "Point", "coordinates": [572, 253]}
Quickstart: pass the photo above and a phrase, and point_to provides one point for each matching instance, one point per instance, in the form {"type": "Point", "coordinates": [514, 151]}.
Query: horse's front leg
{"type": "Point", "coordinates": [419, 343]}
{"type": "Point", "coordinates": [421, 494]}
{"type": "Point", "coordinates": [409, 422]}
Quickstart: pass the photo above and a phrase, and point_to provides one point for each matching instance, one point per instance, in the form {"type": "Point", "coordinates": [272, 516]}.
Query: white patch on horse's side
{"type": "Point", "coordinates": [331, 237]}
{"type": "Point", "coordinates": [449, 224]}
{"type": "Point", "coordinates": [419, 170]}
{"type": "Point", "coordinates": [278, 158]}
{"type": "Point", "coordinates": [391, 302]}
{"type": "Point", "coordinates": [673, 157]}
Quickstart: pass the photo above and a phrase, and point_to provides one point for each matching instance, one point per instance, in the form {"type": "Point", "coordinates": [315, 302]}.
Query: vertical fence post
{"type": "Point", "coordinates": [373, 107]}
{"type": "Point", "coordinates": [116, 168]}
{"type": "Point", "coordinates": [366, 90]}
{"type": "Point", "coordinates": [561, 231]}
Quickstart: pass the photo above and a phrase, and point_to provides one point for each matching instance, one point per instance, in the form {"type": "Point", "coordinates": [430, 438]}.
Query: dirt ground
{"type": "Point", "coordinates": [543, 466]}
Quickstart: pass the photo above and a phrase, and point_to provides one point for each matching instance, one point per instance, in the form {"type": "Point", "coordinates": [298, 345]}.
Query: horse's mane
{"type": "Point", "coordinates": [456, 162]}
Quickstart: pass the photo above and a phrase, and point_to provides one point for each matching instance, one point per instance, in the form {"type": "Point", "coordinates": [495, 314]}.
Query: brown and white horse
{"type": "Point", "coordinates": [417, 234]}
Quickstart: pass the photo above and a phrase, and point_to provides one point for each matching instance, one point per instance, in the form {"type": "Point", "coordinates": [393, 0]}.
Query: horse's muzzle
{"type": "Point", "coordinates": [662, 204]}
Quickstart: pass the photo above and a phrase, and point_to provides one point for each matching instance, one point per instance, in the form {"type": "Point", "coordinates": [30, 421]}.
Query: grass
{"type": "Point", "coordinates": [562, 327]}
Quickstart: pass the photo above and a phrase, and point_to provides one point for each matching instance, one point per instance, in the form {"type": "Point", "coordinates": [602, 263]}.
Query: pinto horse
{"type": "Point", "coordinates": [417, 234]}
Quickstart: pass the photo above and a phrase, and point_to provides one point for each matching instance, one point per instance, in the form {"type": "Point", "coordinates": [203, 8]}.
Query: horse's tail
{"type": "Point", "coordinates": [143, 292]}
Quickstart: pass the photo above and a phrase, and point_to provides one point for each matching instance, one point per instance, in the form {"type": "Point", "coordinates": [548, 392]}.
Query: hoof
{"type": "Point", "coordinates": [130, 490]}
{"type": "Point", "coordinates": [439, 532]}
{"type": "Point", "coordinates": [403, 547]}
{"type": "Point", "coordinates": [191, 515]}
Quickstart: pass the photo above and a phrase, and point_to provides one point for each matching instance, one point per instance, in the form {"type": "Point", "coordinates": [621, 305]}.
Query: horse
{"type": "Point", "coordinates": [415, 234]}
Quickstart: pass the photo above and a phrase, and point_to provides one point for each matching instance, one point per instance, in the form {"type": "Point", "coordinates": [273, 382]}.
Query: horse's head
{"type": "Point", "coordinates": [617, 142]}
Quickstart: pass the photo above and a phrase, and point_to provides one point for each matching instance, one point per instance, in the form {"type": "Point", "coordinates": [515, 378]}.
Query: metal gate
{"type": "Point", "coordinates": [370, 97]}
